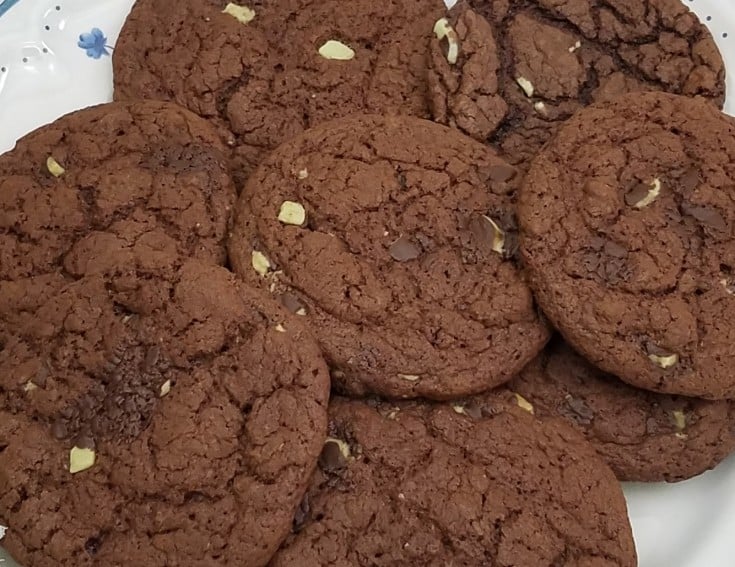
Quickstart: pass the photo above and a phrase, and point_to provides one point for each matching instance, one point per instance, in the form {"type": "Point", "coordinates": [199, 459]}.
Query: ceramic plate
{"type": "Point", "coordinates": [55, 57]}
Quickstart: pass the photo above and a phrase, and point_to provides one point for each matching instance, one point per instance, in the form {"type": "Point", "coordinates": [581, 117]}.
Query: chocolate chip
{"type": "Point", "coordinates": [151, 358]}
{"type": "Point", "coordinates": [581, 412]}
{"type": "Point", "coordinates": [652, 426]}
{"type": "Point", "coordinates": [502, 173]}
{"type": "Point", "coordinates": [493, 236]}
{"type": "Point", "coordinates": [473, 410]}
{"type": "Point", "coordinates": [92, 545]}
{"type": "Point", "coordinates": [331, 458]}
{"type": "Point", "coordinates": [482, 231]}
{"type": "Point", "coordinates": [654, 349]}
{"type": "Point", "coordinates": [302, 515]}
{"type": "Point", "coordinates": [511, 244]}
{"type": "Point", "coordinates": [615, 250]}
{"type": "Point", "coordinates": [195, 497]}
{"type": "Point", "coordinates": [41, 376]}
{"type": "Point", "coordinates": [708, 216]}
{"type": "Point", "coordinates": [84, 441]}
{"type": "Point", "coordinates": [403, 250]}
{"type": "Point", "coordinates": [426, 242]}
{"type": "Point", "coordinates": [59, 430]}
{"type": "Point", "coordinates": [291, 302]}
{"type": "Point", "coordinates": [689, 181]}
{"type": "Point", "coordinates": [636, 194]}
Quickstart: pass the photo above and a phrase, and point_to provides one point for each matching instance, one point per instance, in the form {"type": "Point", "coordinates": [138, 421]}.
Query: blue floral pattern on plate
{"type": "Point", "coordinates": [94, 43]}
{"type": "Point", "coordinates": [5, 5]}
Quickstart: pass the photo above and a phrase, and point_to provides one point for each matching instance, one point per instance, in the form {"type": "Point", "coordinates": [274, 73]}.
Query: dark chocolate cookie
{"type": "Point", "coordinates": [436, 485]}
{"type": "Point", "coordinates": [643, 436]}
{"type": "Point", "coordinates": [269, 70]}
{"type": "Point", "coordinates": [183, 431]}
{"type": "Point", "coordinates": [628, 222]}
{"type": "Point", "coordinates": [128, 190]}
{"type": "Point", "coordinates": [560, 55]}
{"type": "Point", "coordinates": [396, 238]}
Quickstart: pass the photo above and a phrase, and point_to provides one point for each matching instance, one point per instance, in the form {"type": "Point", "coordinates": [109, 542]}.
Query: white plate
{"type": "Point", "coordinates": [44, 73]}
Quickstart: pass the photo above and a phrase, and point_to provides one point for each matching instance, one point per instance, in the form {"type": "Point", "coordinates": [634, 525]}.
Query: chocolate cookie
{"type": "Point", "coordinates": [125, 189]}
{"type": "Point", "coordinates": [560, 55]}
{"type": "Point", "coordinates": [269, 70]}
{"type": "Point", "coordinates": [183, 432]}
{"type": "Point", "coordinates": [396, 238]}
{"type": "Point", "coordinates": [420, 484]}
{"type": "Point", "coordinates": [628, 223]}
{"type": "Point", "coordinates": [643, 436]}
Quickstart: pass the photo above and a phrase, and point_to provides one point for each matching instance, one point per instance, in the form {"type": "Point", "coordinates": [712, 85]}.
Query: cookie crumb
{"type": "Point", "coordinates": [292, 213]}
{"type": "Point", "coordinates": [523, 403]}
{"type": "Point", "coordinates": [261, 263]}
{"type": "Point", "coordinates": [81, 459]}
{"type": "Point", "coordinates": [409, 377]}
{"type": "Point", "coordinates": [165, 388]}
{"type": "Point", "coordinates": [336, 50]}
{"type": "Point", "coordinates": [54, 167]}
{"type": "Point", "coordinates": [526, 85]}
{"type": "Point", "coordinates": [242, 14]}
{"type": "Point", "coordinates": [664, 361]}
{"type": "Point", "coordinates": [442, 29]}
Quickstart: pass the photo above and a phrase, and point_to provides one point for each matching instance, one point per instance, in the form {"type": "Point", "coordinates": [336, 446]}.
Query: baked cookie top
{"type": "Point", "coordinates": [129, 190]}
{"type": "Point", "coordinates": [178, 429]}
{"type": "Point", "coordinates": [480, 484]}
{"type": "Point", "coordinates": [396, 238]}
{"type": "Point", "coordinates": [642, 435]}
{"type": "Point", "coordinates": [267, 71]}
{"type": "Point", "coordinates": [558, 56]}
{"type": "Point", "coordinates": [628, 221]}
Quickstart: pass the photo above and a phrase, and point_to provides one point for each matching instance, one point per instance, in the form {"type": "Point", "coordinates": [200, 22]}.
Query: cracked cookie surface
{"type": "Point", "coordinates": [628, 220]}
{"type": "Point", "coordinates": [265, 81]}
{"type": "Point", "coordinates": [643, 436]}
{"type": "Point", "coordinates": [421, 484]}
{"type": "Point", "coordinates": [206, 409]}
{"type": "Point", "coordinates": [401, 256]}
{"type": "Point", "coordinates": [558, 56]}
{"type": "Point", "coordinates": [124, 189]}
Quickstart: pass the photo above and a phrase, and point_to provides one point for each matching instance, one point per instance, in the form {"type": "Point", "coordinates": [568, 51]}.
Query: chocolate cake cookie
{"type": "Point", "coordinates": [267, 71]}
{"type": "Point", "coordinates": [179, 432]}
{"type": "Point", "coordinates": [125, 189]}
{"type": "Point", "coordinates": [560, 55]}
{"type": "Point", "coordinates": [643, 436]}
{"type": "Point", "coordinates": [436, 485]}
{"type": "Point", "coordinates": [395, 237]}
{"type": "Point", "coordinates": [628, 223]}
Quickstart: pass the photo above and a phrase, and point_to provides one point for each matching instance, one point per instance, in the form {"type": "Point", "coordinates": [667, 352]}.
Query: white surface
{"type": "Point", "coordinates": [690, 524]}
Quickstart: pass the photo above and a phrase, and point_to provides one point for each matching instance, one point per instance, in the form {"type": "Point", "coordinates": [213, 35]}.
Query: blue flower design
{"type": "Point", "coordinates": [5, 5]}
{"type": "Point", "coordinates": [95, 43]}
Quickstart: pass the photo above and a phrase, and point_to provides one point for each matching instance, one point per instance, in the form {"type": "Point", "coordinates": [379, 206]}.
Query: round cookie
{"type": "Point", "coordinates": [181, 433]}
{"type": "Point", "coordinates": [395, 237]}
{"type": "Point", "coordinates": [561, 55]}
{"type": "Point", "coordinates": [270, 70]}
{"type": "Point", "coordinates": [643, 436]}
{"type": "Point", "coordinates": [420, 484]}
{"type": "Point", "coordinates": [627, 221]}
{"type": "Point", "coordinates": [126, 189]}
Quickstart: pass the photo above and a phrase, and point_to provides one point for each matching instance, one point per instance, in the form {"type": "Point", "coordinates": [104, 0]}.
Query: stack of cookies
{"type": "Point", "coordinates": [356, 283]}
